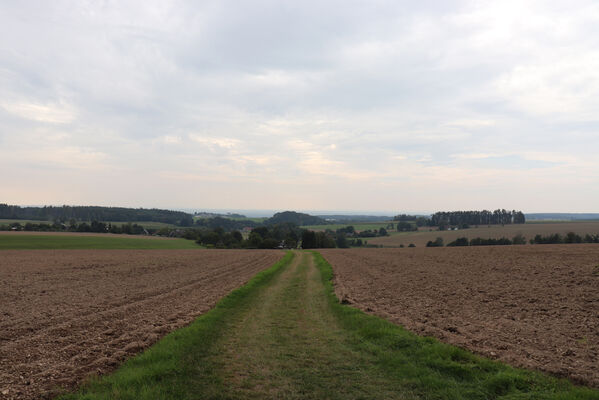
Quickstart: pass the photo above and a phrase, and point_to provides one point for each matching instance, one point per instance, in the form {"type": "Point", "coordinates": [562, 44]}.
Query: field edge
{"type": "Point", "coordinates": [177, 367]}
{"type": "Point", "coordinates": [166, 369]}
{"type": "Point", "coordinates": [425, 363]}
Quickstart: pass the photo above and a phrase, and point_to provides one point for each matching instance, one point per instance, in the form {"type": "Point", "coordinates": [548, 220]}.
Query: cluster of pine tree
{"type": "Point", "coordinates": [484, 217]}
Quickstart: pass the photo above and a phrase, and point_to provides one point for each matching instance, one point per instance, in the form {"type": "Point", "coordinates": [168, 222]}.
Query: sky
{"type": "Point", "coordinates": [396, 106]}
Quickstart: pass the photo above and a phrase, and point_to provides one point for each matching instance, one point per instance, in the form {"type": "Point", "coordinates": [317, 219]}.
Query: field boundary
{"type": "Point", "coordinates": [436, 370]}
{"type": "Point", "coordinates": [166, 369]}
{"type": "Point", "coordinates": [182, 366]}
{"type": "Point", "coordinates": [89, 241]}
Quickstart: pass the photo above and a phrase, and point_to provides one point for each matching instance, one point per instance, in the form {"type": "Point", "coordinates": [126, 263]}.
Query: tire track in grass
{"type": "Point", "coordinates": [289, 345]}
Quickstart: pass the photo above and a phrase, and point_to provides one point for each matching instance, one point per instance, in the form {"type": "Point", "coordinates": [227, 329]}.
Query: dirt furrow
{"type": "Point", "coordinates": [531, 306]}
{"type": "Point", "coordinates": [68, 314]}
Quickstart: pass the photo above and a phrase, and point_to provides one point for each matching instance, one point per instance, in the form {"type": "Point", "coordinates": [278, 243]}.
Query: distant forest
{"type": "Point", "coordinates": [72, 214]}
{"type": "Point", "coordinates": [285, 217]}
{"type": "Point", "coordinates": [296, 218]}
{"type": "Point", "coordinates": [95, 213]}
{"type": "Point", "coordinates": [462, 218]}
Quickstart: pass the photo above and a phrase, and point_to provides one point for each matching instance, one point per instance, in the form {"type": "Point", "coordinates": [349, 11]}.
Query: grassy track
{"type": "Point", "coordinates": [285, 335]}
{"type": "Point", "coordinates": [17, 241]}
{"type": "Point", "coordinates": [292, 346]}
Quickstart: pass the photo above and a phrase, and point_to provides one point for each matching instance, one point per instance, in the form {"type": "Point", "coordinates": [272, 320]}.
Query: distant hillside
{"type": "Point", "coordinates": [562, 216]}
{"type": "Point", "coordinates": [294, 218]}
{"type": "Point", "coordinates": [95, 213]}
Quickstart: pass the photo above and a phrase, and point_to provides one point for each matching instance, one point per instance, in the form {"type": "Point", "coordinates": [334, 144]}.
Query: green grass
{"type": "Point", "coordinates": [22, 221]}
{"type": "Point", "coordinates": [359, 226]}
{"type": "Point", "coordinates": [285, 335]}
{"type": "Point", "coordinates": [258, 220]}
{"type": "Point", "coordinates": [17, 241]}
{"type": "Point", "coordinates": [145, 224]}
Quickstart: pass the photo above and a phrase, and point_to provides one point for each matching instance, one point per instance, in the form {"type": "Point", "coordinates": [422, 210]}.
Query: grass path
{"type": "Point", "coordinates": [288, 344]}
{"type": "Point", "coordinates": [284, 335]}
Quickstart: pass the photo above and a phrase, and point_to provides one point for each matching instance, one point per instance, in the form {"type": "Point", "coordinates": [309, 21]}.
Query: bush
{"type": "Point", "coordinates": [490, 242]}
{"type": "Point", "coordinates": [519, 239]}
{"type": "Point", "coordinates": [463, 241]}
{"type": "Point", "coordinates": [269, 244]}
{"type": "Point", "coordinates": [437, 243]}
{"type": "Point", "coordinates": [571, 237]}
{"type": "Point", "coordinates": [342, 241]}
{"type": "Point", "coordinates": [549, 239]}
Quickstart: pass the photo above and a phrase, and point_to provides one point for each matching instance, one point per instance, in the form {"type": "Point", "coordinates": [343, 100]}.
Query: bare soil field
{"type": "Point", "coordinates": [529, 230]}
{"type": "Point", "coordinates": [69, 314]}
{"type": "Point", "coordinates": [529, 306]}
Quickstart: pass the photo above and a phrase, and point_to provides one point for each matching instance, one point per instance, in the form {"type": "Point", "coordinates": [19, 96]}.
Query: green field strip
{"type": "Point", "coordinates": [358, 226]}
{"type": "Point", "coordinates": [285, 335]}
{"type": "Point", "coordinates": [57, 242]}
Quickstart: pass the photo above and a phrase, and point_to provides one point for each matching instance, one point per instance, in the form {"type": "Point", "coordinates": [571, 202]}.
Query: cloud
{"type": "Point", "coordinates": [410, 100]}
{"type": "Point", "coordinates": [225, 143]}
{"type": "Point", "coordinates": [470, 123]}
{"type": "Point", "coordinates": [61, 157]}
{"type": "Point", "coordinates": [564, 87]}
{"type": "Point", "coordinates": [51, 113]}
{"type": "Point", "coordinates": [171, 139]}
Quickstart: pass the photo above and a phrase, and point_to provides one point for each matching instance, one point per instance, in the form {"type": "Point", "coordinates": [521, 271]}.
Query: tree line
{"type": "Point", "coordinates": [74, 226]}
{"type": "Point", "coordinates": [484, 217]}
{"type": "Point", "coordinates": [216, 232]}
{"type": "Point", "coordinates": [459, 219]}
{"type": "Point", "coordinates": [408, 221]}
{"type": "Point", "coordinates": [283, 235]}
{"type": "Point", "coordinates": [65, 213]}
{"type": "Point", "coordinates": [519, 239]}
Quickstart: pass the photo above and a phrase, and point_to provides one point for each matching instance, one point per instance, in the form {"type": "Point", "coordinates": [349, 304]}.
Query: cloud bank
{"type": "Point", "coordinates": [343, 105]}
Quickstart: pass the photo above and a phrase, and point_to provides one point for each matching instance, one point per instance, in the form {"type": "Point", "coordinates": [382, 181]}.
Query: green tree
{"type": "Point", "coordinates": [269, 243]}
{"type": "Point", "coordinates": [342, 242]}
{"type": "Point", "coordinates": [237, 236]}
{"type": "Point", "coordinates": [255, 240]}
{"type": "Point", "coordinates": [308, 239]}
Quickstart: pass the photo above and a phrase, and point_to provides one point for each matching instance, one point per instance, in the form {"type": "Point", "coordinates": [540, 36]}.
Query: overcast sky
{"type": "Point", "coordinates": [305, 105]}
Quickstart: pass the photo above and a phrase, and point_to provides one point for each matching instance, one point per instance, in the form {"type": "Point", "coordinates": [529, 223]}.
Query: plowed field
{"type": "Point", "coordinates": [68, 314]}
{"type": "Point", "coordinates": [531, 306]}
{"type": "Point", "coordinates": [529, 230]}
